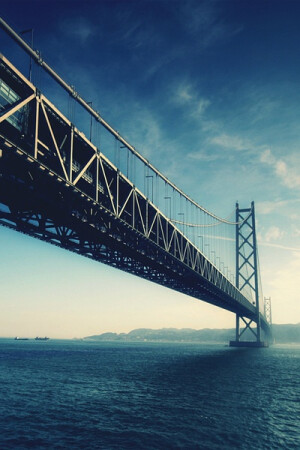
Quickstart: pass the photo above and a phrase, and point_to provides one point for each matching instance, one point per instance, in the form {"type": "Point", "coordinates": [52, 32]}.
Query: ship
{"type": "Point", "coordinates": [17, 338]}
{"type": "Point", "coordinates": [41, 338]}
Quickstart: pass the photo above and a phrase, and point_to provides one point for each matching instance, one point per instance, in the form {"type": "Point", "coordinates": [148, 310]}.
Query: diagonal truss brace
{"type": "Point", "coordinates": [247, 327]}
{"type": "Point", "coordinates": [15, 107]}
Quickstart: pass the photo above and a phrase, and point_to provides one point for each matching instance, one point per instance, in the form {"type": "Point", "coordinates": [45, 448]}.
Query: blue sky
{"type": "Point", "coordinates": [209, 92]}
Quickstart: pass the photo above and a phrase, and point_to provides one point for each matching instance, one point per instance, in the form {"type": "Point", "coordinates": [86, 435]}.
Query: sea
{"type": "Point", "coordinates": [60, 394]}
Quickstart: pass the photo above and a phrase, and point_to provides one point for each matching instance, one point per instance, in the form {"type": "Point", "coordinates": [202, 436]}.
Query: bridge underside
{"type": "Point", "coordinates": [48, 210]}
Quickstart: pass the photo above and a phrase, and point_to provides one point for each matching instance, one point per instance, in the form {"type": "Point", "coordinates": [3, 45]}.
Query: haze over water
{"type": "Point", "coordinates": [72, 394]}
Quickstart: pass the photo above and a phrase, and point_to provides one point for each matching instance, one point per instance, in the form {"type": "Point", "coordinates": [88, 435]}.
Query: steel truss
{"type": "Point", "coordinates": [57, 186]}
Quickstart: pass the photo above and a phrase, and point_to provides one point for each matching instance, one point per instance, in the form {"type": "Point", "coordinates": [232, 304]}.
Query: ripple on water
{"type": "Point", "coordinates": [81, 395]}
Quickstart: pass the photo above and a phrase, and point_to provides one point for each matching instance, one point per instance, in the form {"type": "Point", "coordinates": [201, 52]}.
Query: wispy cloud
{"type": "Point", "coordinates": [283, 289]}
{"type": "Point", "coordinates": [200, 106]}
{"type": "Point", "coordinates": [204, 19]}
{"type": "Point", "coordinates": [282, 247]}
{"type": "Point", "coordinates": [277, 205]}
{"type": "Point", "coordinates": [78, 28]}
{"type": "Point", "coordinates": [144, 131]}
{"type": "Point", "coordinates": [187, 96]}
{"type": "Point", "coordinates": [184, 94]}
{"type": "Point", "coordinates": [260, 104]}
{"type": "Point", "coordinates": [203, 156]}
{"type": "Point", "coordinates": [289, 175]}
{"type": "Point", "coordinates": [231, 142]}
{"type": "Point", "coordinates": [296, 231]}
{"type": "Point", "coordinates": [274, 234]}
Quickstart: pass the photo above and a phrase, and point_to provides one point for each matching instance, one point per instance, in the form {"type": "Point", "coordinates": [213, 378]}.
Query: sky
{"type": "Point", "coordinates": [209, 92]}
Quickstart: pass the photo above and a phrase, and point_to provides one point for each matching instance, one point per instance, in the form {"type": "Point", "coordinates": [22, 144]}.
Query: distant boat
{"type": "Point", "coordinates": [41, 338]}
{"type": "Point", "coordinates": [17, 338]}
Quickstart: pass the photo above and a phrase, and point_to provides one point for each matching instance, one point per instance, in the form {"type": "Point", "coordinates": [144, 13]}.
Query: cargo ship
{"type": "Point", "coordinates": [42, 338]}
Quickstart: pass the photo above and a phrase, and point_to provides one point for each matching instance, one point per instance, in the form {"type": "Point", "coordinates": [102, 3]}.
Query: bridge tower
{"type": "Point", "coordinates": [268, 316]}
{"type": "Point", "coordinates": [247, 274]}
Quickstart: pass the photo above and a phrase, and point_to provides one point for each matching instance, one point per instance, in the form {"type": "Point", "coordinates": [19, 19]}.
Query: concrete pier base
{"type": "Point", "coordinates": [253, 344]}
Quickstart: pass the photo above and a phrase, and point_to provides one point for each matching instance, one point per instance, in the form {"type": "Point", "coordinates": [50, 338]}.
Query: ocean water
{"type": "Point", "coordinates": [84, 395]}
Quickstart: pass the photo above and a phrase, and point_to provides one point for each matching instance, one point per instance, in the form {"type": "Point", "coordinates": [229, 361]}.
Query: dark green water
{"type": "Point", "coordinates": [69, 395]}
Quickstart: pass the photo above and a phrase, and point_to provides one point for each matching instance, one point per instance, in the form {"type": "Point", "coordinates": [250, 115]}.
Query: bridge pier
{"type": "Point", "coordinates": [250, 344]}
{"type": "Point", "coordinates": [238, 334]}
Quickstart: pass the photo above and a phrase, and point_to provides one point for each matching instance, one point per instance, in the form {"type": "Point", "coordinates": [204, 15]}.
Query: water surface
{"type": "Point", "coordinates": [72, 394]}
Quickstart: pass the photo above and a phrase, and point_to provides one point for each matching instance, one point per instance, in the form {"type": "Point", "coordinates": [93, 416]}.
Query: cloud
{"type": "Point", "coordinates": [204, 19]}
{"type": "Point", "coordinates": [274, 234]}
{"type": "Point", "coordinates": [284, 291]}
{"type": "Point", "coordinates": [296, 231]}
{"type": "Point", "coordinates": [203, 156]}
{"type": "Point", "coordinates": [231, 142]}
{"type": "Point", "coordinates": [269, 207]}
{"type": "Point", "coordinates": [289, 175]}
{"type": "Point", "coordinates": [296, 250]}
{"type": "Point", "coordinates": [133, 36]}
{"type": "Point", "coordinates": [186, 95]}
{"type": "Point", "coordinates": [77, 28]}
{"type": "Point", "coordinates": [200, 16]}
{"type": "Point", "coordinates": [261, 105]}
{"type": "Point", "coordinates": [142, 129]}
{"type": "Point", "coordinates": [201, 105]}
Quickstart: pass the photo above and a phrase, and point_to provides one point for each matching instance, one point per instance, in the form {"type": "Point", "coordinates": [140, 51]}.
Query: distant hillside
{"type": "Point", "coordinates": [282, 333]}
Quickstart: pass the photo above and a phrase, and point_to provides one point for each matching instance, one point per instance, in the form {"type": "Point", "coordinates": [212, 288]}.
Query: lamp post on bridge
{"type": "Point", "coordinates": [168, 198]}
{"type": "Point", "coordinates": [222, 270]}
{"type": "Point", "coordinates": [208, 252]}
{"type": "Point", "coordinates": [167, 225]}
{"type": "Point", "coordinates": [214, 256]}
{"type": "Point", "coordinates": [151, 177]}
{"type": "Point", "coordinates": [201, 237]}
{"type": "Point", "coordinates": [91, 123]}
{"type": "Point", "coordinates": [182, 214]}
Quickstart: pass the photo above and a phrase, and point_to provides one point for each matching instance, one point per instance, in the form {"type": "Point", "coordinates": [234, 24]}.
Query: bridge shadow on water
{"type": "Point", "coordinates": [220, 397]}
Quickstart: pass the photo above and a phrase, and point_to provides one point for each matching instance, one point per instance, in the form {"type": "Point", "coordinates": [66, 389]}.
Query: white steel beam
{"type": "Point", "coordinates": [36, 135]}
{"type": "Point", "coordinates": [84, 169]}
{"type": "Point", "coordinates": [71, 154]}
{"type": "Point", "coordinates": [54, 141]}
{"type": "Point", "coordinates": [16, 107]}
{"type": "Point", "coordinates": [108, 187]}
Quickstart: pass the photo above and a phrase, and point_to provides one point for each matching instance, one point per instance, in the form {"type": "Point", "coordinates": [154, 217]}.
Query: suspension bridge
{"type": "Point", "coordinates": [94, 194]}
